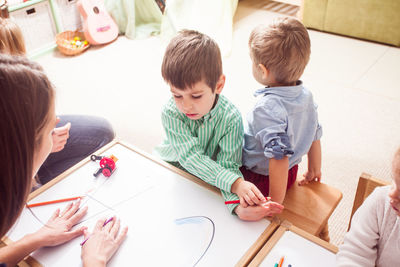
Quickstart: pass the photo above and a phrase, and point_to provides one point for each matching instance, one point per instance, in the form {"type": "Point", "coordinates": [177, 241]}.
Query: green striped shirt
{"type": "Point", "coordinates": [209, 148]}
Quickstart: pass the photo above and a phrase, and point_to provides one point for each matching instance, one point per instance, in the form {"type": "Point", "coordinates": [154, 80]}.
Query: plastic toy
{"type": "Point", "coordinates": [98, 26]}
{"type": "Point", "coordinates": [107, 165]}
{"type": "Point", "coordinates": [76, 43]}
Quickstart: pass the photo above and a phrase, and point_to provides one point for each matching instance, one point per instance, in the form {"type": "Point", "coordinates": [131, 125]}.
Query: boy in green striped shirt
{"type": "Point", "coordinates": [204, 130]}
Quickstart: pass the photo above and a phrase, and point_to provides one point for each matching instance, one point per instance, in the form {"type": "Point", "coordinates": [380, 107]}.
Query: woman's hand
{"type": "Point", "coordinates": [58, 228]}
{"type": "Point", "coordinates": [101, 245]}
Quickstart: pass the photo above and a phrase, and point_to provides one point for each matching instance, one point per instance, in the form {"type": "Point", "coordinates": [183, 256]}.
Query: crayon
{"type": "Point", "coordinates": [109, 220]}
{"type": "Point", "coordinates": [281, 262]}
{"type": "Point", "coordinates": [238, 201]}
{"type": "Point", "coordinates": [52, 202]}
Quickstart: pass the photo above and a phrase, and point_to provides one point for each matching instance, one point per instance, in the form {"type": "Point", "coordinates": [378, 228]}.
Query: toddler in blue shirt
{"type": "Point", "coordinates": [283, 125]}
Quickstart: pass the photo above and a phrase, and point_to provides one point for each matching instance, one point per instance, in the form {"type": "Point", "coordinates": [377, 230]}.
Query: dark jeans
{"type": "Point", "coordinates": [87, 134]}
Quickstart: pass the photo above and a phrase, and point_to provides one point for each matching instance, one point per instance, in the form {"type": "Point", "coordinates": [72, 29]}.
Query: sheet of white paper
{"type": "Point", "coordinates": [299, 252]}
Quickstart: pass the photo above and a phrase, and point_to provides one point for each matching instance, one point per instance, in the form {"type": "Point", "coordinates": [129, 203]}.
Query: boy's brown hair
{"type": "Point", "coordinates": [11, 38]}
{"type": "Point", "coordinates": [283, 47]}
{"type": "Point", "coordinates": [192, 57]}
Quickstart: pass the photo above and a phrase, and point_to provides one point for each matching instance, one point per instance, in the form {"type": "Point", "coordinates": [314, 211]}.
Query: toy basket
{"type": "Point", "coordinates": [67, 42]}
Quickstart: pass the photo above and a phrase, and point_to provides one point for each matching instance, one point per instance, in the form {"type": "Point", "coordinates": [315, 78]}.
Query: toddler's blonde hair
{"type": "Point", "coordinates": [283, 47]}
{"type": "Point", "coordinates": [11, 38]}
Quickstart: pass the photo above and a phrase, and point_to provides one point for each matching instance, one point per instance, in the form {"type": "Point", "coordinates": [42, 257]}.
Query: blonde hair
{"type": "Point", "coordinates": [283, 47]}
{"type": "Point", "coordinates": [11, 38]}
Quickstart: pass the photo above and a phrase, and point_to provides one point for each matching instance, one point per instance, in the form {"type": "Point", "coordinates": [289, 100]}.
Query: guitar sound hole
{"type": "Point", "coordinates": [96, 10]}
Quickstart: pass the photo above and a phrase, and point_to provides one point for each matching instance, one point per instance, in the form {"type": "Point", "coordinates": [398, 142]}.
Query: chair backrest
{"type": "Point", "coordinates": [366, 184]}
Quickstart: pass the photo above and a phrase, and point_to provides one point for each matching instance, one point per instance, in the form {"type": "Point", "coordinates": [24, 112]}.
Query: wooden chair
{"type": "Point", "coordinates": [309, 207]}
{"type": "Point", "coordinates": [366, 184]}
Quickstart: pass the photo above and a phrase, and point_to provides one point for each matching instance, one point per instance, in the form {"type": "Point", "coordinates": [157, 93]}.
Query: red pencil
{"type": "Point", "coordinates": [238, 201]}
{"type": "Point", "coordinates": [52, 202]}
{"type": "Point", "coordinates": [281, 262]}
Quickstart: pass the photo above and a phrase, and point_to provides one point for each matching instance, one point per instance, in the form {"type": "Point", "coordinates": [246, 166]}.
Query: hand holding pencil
{"type": "Point", "coordinates": [247, 192]}
{"type": "Point", "coordinates": [103, 242]}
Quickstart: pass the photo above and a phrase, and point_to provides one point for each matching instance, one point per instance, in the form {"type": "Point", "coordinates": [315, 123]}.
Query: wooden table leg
{"type": "Point", "coordinates": [324, 234]}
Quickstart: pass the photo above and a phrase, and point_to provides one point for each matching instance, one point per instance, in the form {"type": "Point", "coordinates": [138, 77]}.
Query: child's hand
{"type": "Point", "coordinates": [247, 192]}
{"type": "Point", "coordinates": [310, 176]}
{"type": "Point", "coordinates": [255, 213]}
{"type": "Point", "coordinates": [58, 228]}
{"type": "Point", "coordinates": [60, 137]}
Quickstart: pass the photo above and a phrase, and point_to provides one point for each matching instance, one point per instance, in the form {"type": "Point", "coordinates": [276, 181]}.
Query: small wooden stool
{"type": "Point", "coordinates": [310, 206]}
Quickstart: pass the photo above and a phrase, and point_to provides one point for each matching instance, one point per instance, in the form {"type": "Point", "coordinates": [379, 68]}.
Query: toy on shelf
{"type": "Point", "coordinates": [98, 25]}
{"type": "Point", "coordinates": [107, 165]}
{"type": "Point", "coordinates": [71, 43]}
{"type": "Point", "coordinates": [4, 9]}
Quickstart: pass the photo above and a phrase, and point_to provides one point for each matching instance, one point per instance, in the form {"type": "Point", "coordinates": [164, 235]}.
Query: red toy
{"type": "Point", "coordinates": [107, 165]}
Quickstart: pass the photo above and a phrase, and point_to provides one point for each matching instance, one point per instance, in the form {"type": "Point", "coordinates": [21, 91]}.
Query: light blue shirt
{"type": "Point", "coordinates": [284, 122]}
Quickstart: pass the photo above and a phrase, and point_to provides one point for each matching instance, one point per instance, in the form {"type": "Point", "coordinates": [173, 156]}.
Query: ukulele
{"type": "Point", "coordinates": [98, 26]}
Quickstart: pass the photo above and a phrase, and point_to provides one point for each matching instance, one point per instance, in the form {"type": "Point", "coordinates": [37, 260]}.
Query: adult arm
{"type": "Point", "coordinates": [57, 230]}
{"type": "Point", "coordinates": [102, 243]}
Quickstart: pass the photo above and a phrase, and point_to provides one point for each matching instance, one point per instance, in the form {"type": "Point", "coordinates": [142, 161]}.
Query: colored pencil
{"type": "Point", "coordinates": [281, 262]}
{"type": "Point", "coordinates": [238, 201]}
{"type": "Point", "coordinates": [109, 220]}
{"type": "Point", "coordinates": [52, 202]}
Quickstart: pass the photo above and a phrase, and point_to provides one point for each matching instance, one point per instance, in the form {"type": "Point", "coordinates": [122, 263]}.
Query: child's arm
{"type": "Point", "coordinates": [278, 178]}
{"type": "Point", "coordinates": [360, 243]}
{"type": "Point", "coordinates": [189, 153]}
{"type": "Point", "coordinates": [230, 157]}
{"type": "Point", "coordinates": [247, 192]}
{"type": "Point", "coordinates": [314, 164]}
{"type": "Point", "coordinates": [269, 128]}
